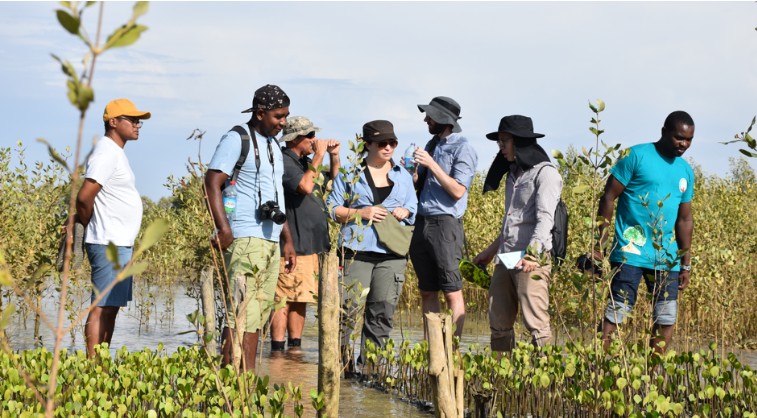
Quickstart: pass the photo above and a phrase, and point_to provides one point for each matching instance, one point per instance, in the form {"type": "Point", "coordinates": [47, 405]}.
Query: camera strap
{"type": "Point", "coordinates": [246, 137]}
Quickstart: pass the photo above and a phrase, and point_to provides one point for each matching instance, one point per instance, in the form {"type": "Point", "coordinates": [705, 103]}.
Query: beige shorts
{"type": "Point", "coordinates": [298, 285]}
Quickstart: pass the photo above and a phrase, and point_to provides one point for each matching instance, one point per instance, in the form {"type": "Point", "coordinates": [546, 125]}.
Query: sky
{"type": "Point", "coordinates": [346, 63]}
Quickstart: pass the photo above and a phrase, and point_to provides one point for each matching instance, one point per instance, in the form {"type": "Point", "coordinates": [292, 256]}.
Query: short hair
{"type": "Point", "coordinates": [679, 116]}
{"type": "Point", "coordinates": [107, 126]}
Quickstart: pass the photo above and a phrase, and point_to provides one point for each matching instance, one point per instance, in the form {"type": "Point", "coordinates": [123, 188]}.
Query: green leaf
{"type": "Point", "coordinates": [85, 95]}
{"type": "Point", "coordinates": [41, 271]}
{"type": "Point", "coordinates": [69, 23]}
{"type": "Point", "coordinates": [152, 234]}
{"type": "Point", "coordinates": [140, 8]}
{"type": "Point", "coordinates": [281, 304]}
{"type": "Point", "coordinates": [66, 67]}
{"type": "Point", "coordinates": [747, 153]}
{"type": "Point", "coordinates": [125, 36]}
{"type": "Point", "coordinates": [544, 380]}
{"type": "Point", "coordinates": [557, 154]}
{"type": "Point", "coordinates": [112, 254]}
{"type": "Point", "coordinates": [580, 189]}
{"type": "Point", "coordinates": [600, 105]}
{"type": "Point", "coordinates": [591, 106]}
{"type": "Point", "coordinates": [135, 268]}
{"type": "Point", "coordinates": [7, 315]}
{"type": "Point", "coordinates": [54, 154]}
{"type": "Point", "coordinates": [621, 383]}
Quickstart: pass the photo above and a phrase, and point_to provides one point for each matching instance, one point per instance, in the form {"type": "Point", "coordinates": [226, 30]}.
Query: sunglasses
{"type": "Point", "coordinates": [392, 142]}
{"type": "Point", "coordinates": [310, 135]}
{"type": "Point", "coordinates": [135, 122]}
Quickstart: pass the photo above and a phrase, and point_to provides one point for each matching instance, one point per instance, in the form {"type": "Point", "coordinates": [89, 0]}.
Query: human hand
{"type": "Point", "coordinates": [423, 158]}
{"type": "Point", "coordinates": [528, 266]}
{"type": "Point", "coordinates": [400, 214]}
{"type": "Point", "coordinates": [320, 146]}
{"type": "Point", "coordinates": [290, 257]}
{"type": "Point", "coordinates": [683, 280]}
{"type": "Point", "coordinates": [64, 228]}
{"type": "Point", "coordinates": [333, 146]}
{"type": "Point", "coordinates": [373, 213]}
{"type": "Point", "coordinates": [223, 237]}
{"type": "Point", "coordinates": [485, 258]}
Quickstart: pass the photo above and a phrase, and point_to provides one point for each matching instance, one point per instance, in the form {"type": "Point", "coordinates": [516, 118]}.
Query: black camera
{"type": "Point", "coordinates": [270, 210]}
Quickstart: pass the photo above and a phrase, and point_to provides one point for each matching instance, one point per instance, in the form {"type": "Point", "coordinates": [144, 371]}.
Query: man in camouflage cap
{"type": "Point", "coordinates": [253, 241]}
{"type": "Point", "coordinates": [309, 225]}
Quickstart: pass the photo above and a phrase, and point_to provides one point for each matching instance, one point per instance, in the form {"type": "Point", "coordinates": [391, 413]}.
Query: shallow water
{"type": "Point", "coordinates": [300, 366]}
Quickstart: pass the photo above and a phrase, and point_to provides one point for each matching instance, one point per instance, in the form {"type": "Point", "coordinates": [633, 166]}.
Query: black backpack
{"type": "Point", "coordinates": [559, 230]}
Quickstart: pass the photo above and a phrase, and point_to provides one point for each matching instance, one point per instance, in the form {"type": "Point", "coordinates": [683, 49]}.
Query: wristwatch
{"type": "Point", "coordinates": [685, 267]}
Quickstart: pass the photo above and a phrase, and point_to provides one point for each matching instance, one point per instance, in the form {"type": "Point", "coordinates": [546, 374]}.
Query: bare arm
{"type": "Point", "coordinates": [450, 185]}
{"type": "Point", "coordinates": [613, 189]}
{"type": "Point", "coordinates": [214, 179]}
{"type": "Point", "coordinates": [684, 228]}
{"type": "Point", "coordinates": [85, 200]}
{"type": "Point", "coordinates": [290, 256]}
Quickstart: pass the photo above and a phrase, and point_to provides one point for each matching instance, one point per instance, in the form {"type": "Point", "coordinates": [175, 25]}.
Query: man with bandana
{"type": "Point", "coordinates": [532, 191]}
{"type": "Point", "coordinates": [251, 245]}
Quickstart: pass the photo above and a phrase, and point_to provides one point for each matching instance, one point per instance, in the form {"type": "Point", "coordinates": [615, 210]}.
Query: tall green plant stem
{"type": "Point", "coordinates": [59, 332]}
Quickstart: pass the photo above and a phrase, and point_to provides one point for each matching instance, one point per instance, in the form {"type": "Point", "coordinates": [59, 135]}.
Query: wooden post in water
{"type": "Point", "coordinates": [208, 307]}
{"type": "Point", "coordinates": [328, 334]}
{"type": "Point", "coordinates": [439, 364]}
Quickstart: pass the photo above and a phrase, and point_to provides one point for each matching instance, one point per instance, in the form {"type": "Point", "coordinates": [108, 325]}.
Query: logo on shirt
{"type": "Point", "coordinates": [634, 235]}
{"type": "Point", "coordinates": [682, 185]}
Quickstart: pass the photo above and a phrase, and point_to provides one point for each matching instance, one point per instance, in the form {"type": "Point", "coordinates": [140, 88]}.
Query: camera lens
{"type": "Point", "coordinates": [278, 217]}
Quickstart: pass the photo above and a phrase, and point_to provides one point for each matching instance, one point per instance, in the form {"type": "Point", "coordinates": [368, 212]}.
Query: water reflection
{"type": "Point", "coordinates": [298, 366]}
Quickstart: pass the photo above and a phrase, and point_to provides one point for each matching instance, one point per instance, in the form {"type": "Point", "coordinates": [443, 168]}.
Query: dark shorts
{"type": "Point", "coordinates": [103, 274]}
{"type": "Point", "coordinates": [436, 250]}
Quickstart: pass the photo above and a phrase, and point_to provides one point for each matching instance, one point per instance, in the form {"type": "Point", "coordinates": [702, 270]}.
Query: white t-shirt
{"type": "Point", "coordinates": [117, 215]}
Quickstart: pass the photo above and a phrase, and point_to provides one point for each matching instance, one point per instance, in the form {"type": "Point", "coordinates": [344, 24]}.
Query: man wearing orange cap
{"type": "Point", "coordinates": [110, 208]}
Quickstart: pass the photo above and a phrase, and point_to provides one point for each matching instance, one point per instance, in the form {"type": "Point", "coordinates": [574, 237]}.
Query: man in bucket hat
{"type": "Point", "coordinates": [251, 245]}
{"type": "Point", "coordinates": [308, 225]}
{"type": "Point", "coordinates": [532, 191]}
{"type": "Point", "coordinates": [109, 206]}
{"type": "Point", "coordinates": [446, 169]}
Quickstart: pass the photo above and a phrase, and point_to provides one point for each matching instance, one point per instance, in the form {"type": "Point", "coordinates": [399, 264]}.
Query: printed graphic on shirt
{"type": "Point", "coordinates": [634, 235]}
{"type": "Point", "coordinates": [682, 185]}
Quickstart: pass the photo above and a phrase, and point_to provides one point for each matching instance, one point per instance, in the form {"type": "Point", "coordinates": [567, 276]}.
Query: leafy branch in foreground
{"type": "Point", "coordinates": [746, 138]}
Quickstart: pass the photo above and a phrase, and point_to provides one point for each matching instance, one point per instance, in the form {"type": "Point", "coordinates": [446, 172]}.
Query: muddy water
{"type": "Point", "coordinates": [298, 366]}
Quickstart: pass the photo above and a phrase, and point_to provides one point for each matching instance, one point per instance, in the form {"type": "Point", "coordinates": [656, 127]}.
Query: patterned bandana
{"type": "Point", "coordinates": [268, 97]}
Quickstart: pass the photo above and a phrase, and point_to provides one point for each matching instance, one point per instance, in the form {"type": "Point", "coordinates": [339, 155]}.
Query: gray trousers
{"type": "Point", "coordinates": [385, 280]}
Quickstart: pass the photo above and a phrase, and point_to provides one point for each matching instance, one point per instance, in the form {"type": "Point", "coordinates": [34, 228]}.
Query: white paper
{"type": "Point", "coordinates": [509, 260]}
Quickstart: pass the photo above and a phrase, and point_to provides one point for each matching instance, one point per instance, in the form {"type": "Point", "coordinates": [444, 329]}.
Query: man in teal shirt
{"type": "Point", "coordinates": [656, 172]}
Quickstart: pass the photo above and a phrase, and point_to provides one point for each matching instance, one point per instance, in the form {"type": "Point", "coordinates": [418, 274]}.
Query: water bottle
{"type": "Point", "coordinates": [230, 202]}
{"type": "Point", "coordinates": [408, 159]}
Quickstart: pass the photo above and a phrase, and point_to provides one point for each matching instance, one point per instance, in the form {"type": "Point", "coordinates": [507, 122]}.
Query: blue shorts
{"type": "Point", "coordinates": [661, 284]}
{"type": "Point", "coordinates": [103, 274]}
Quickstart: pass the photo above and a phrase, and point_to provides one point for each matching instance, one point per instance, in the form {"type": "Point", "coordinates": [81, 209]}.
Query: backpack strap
{"type": "Point", "coordinates": [245, 150]}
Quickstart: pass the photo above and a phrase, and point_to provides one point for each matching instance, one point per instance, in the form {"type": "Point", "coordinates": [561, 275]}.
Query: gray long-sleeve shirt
{"type": "Point", "coordinates": [530, 204]}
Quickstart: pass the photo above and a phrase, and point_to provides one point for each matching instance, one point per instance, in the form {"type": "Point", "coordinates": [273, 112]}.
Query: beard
{"type": "Point", "coordinates": [435, 128]}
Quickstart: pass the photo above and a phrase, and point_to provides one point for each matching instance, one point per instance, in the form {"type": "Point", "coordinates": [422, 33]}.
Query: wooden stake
{"type": "Point", "coordinates": [209, 307]}
{"type": "Point", "coordinates": [438, 365]}
{"type": "Point", "coordinates": [328, 334]}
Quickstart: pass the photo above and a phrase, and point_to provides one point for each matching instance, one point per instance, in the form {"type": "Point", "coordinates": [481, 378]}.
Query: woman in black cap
{"type": "Point", "coordinates": [386, 198]}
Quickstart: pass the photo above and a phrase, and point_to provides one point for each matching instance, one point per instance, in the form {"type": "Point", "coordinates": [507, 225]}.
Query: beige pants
{"type": "Point", "coordinates": [509, 287]}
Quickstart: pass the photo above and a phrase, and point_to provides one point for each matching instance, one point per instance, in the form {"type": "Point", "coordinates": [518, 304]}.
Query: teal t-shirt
{"type": "Point", "coordinates": [646, 172]}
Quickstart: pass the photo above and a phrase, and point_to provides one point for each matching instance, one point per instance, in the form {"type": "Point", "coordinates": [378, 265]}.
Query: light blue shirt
{"type": "Point", "coordinates": [247, 222]}
{"type": "Point", "coordinates": [646, 172]}
{"type": "Point", "coordinates": [401, 196]}
{"type": "Point", "coordinates": [456, 157]}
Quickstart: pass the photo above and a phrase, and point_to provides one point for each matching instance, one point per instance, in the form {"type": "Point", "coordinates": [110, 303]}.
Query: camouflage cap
{"type": "Point", "coordinates": [296, 126]}
{"type": "Point", "coordinates": [268, 97]}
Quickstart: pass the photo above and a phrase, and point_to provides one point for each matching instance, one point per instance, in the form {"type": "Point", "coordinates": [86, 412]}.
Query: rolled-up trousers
{"type": "Point", "coordinates": [508, 289]}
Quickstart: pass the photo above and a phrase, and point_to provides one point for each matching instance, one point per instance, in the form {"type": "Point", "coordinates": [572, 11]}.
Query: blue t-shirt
{"type": "Point", "coordinates": [247, 222]}
{"type": "Point", "coordinates": [646, 172]}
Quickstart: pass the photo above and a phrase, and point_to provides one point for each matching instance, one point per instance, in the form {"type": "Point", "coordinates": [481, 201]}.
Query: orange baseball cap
{"type": "Point", "coordinates": [123, 107]}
